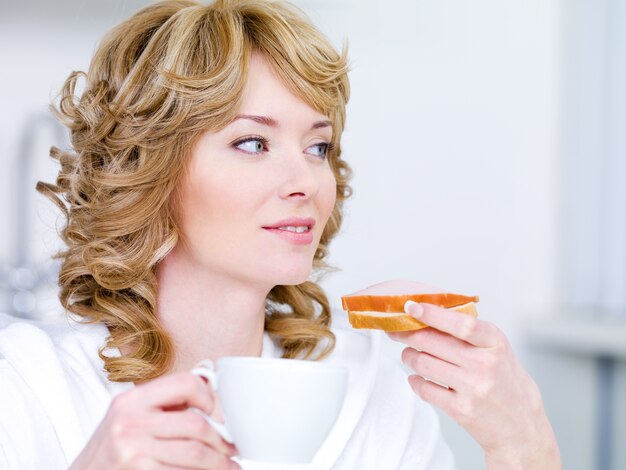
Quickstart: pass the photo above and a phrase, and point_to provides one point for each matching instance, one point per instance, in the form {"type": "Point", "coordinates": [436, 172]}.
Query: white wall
{"type": "Point", "coordinates": [453, 135]}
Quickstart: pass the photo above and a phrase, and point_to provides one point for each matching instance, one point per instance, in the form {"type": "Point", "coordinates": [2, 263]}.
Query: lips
{"type": "Point", "coordinates": [296, 230]}
{"type": "Point", "coordinates": [294, 222]}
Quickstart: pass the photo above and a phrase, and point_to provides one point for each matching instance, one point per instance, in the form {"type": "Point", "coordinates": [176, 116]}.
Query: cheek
{"type": "Point", "coordinates": [328, 195]}
{"type": "Point", "coordinates": [208, 203]}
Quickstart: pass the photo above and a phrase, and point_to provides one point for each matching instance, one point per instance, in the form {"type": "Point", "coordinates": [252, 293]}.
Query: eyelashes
{"type": "Point", "coordinates": [326, 149]}
{"type": "Point", "coordinates": [252, 145]}
{"type": "Point", "coordinates": [256, 145]}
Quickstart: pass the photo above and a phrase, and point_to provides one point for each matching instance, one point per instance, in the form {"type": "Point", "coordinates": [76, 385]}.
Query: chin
{"type": "Point", "coordinates": [293, 277]}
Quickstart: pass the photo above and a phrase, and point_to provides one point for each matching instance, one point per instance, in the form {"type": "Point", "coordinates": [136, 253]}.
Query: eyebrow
{"type": "Point", "coordinates": [270, 122]}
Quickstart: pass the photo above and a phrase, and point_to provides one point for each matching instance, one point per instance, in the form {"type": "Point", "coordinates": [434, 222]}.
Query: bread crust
{"type": "Point", "coordinates": [399, 321]}
{"type": "Point", "coordinates": [395, 303]}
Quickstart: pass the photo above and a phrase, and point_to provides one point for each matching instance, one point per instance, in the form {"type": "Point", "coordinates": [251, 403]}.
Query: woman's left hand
{"type": "Point", "coordinates": [483, 386]}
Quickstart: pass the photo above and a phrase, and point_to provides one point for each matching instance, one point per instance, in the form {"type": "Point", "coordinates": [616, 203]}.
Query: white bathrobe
{"type": "Point", "coordinates": [54, 392]}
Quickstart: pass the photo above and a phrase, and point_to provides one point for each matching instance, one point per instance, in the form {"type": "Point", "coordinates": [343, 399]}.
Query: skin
{"type": "Point", "coordinates": [213, 285]}
{"type": "Point", "coordinates": [486, 390]}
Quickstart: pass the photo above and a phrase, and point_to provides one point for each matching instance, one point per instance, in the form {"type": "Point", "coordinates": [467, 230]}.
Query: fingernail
{"type": "Point", "coordinates": [413, 308]}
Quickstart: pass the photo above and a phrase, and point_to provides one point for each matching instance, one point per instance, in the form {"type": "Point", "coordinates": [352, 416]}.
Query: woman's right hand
{"type": "Point", "coordinates": [151, 426]}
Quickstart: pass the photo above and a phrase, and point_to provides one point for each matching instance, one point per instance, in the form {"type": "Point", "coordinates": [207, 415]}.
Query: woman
{"type": "Point", "coordinates": [204, 185]}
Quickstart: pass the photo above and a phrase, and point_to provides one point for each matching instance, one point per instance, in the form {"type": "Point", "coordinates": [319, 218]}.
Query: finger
{"type": "Point", "coordinates": [432, 393]}
{"type": "Point", "coordinates": [462, 326]}
{"type": "Point", "coordinates": [433, 368]}
{"type": "Point", "coordinates": [174, 391]}
{"type": "Point", "coordinates": [188, 425]}
{"type": "Point", "coordinates": [188, 453]}
{"type": "Point", "coordinates": [436, 343]}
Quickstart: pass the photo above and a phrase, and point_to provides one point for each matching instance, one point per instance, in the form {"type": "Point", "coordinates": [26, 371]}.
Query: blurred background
{"type": "Point", "coordinates": [488, 145]}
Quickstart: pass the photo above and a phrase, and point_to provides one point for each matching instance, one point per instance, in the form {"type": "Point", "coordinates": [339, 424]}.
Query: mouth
{"type": "Point", "coordinates": [292, 228]}
{"type": "Point", "coordinates": [294, 224]}
{"type": "Point", "coordinates": [296, 231]}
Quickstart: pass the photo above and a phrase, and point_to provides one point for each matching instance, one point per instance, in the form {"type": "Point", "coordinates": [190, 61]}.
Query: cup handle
{"type": "Point", "coordinates": [206, 370]}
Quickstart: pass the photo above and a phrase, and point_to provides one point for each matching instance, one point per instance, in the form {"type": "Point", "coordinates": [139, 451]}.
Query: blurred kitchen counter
{"type": "Point", "coordinates": [591, 335]}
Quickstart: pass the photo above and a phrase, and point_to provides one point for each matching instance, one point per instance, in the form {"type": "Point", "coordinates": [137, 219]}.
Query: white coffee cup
{"type": "Point", "coordinates": [276, 410]}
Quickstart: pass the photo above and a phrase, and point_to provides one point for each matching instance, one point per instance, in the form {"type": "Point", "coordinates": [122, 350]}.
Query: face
{"type": "Point", "coordinates": [259, 192]}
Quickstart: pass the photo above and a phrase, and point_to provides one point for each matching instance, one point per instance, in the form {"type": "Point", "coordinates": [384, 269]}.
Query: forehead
{"type": "Point", "coordinates": [265, 93]}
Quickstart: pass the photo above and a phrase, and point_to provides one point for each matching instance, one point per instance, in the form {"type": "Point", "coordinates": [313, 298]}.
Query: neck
{"type": "Point", "coordinates": [208, 315]}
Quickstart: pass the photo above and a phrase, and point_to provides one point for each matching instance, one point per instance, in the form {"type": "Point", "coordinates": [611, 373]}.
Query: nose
{"type": "Point", "coordinates": [300, 177]}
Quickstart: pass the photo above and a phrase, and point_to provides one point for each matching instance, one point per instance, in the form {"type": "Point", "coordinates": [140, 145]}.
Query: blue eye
{"type": "Point", "coordinates": [320, 150]}
{"type": "Point", "coordinates": [252, 145]}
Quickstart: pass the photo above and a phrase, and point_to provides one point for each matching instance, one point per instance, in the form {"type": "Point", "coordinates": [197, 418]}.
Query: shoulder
{"type": "Point", "coordinates": [56, 331]}
{"type": "Point", "coordinates": [64, 352]}
{"type": "Point", "coordinates": [54, 389]}
{"type": "Point", "coordinates": [25, 343]}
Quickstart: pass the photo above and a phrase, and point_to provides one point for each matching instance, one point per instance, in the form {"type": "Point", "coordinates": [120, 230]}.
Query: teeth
{"type": "Point", "coordinates": [291, 228]}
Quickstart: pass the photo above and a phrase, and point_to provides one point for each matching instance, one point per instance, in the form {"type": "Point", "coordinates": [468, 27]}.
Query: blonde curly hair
{"type": "Point", "coordinates": [172, 71]}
